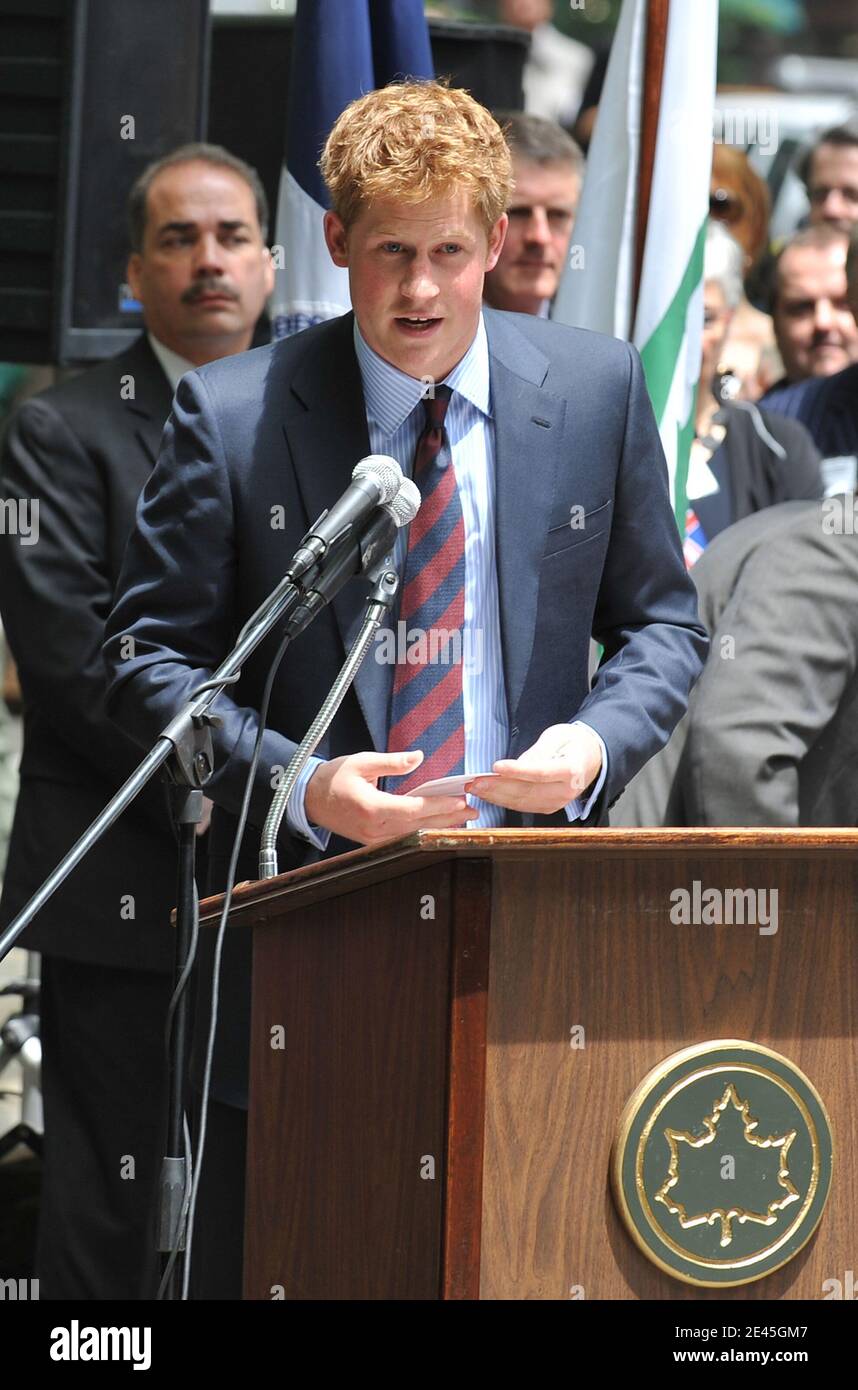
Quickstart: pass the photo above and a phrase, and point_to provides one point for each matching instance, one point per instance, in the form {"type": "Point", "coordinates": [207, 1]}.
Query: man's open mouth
{"type": "Point", "coordinates": [417, 323]}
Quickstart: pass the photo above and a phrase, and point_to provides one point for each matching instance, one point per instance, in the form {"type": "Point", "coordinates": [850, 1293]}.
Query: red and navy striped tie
{"type": "Point", "coordinates": [427, 710]}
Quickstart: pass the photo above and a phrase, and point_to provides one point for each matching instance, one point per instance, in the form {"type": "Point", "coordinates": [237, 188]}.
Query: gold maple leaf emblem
{"type": "Point", "coordinates": [727, 1215]}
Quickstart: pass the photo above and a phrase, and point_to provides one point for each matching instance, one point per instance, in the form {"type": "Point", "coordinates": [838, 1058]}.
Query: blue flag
{"type": "Point", "coordinates": [339, 52]}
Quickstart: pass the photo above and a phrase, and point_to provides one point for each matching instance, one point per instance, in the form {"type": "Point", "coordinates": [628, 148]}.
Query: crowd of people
{"type": "Point", "coordinates": [766, 738]}
{"type": "Point", "coordinates": [776, 432]}
{"type": "Point", "coordinates": [776, 422]}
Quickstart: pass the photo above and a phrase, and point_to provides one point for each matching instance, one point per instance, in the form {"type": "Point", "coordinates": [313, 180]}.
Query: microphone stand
{"type": "Point", "coordinates": [184, 736]}
{"type": "Point", "coordinates": [385, 582]}
{"type": "Point", "coordinates": [185, 745]}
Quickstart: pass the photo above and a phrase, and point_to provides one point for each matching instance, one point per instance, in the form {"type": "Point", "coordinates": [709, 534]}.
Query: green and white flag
{"type": "Point", "coordinates": [598, 285]}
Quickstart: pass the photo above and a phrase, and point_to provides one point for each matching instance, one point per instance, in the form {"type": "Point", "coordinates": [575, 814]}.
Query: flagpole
{"type": "Point", "coordinates": [658, 12]}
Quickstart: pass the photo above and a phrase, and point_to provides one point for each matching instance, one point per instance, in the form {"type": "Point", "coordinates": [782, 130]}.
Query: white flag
{"type": "Point", "coordinates": [597, 287]}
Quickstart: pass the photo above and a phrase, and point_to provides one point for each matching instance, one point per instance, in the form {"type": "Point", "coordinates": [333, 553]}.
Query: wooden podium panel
{"type": "Point", "coordinates": [604, 954]}
{"type": "Point", "coordinates": [427, 1129]}
{"type": "Point", "coordinates": [357, 1097]}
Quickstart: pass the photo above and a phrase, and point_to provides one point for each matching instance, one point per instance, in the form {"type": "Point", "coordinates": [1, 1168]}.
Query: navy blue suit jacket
{"type": "Point", "coordinates": [827, 406]}
{"type": "Point", "coordinates": [273, 434]}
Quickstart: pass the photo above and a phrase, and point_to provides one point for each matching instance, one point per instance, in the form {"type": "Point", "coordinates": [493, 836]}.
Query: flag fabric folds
{"type": "Point", "coordinates": [341, 49]}
{"type": "Point", "coordinates": [597, 289]}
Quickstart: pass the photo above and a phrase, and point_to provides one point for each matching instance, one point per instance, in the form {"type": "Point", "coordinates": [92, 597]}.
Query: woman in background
{"type": "Point", "coordinates": [742, 458]}
{"type": "Point", "coordinates": [739, 200]}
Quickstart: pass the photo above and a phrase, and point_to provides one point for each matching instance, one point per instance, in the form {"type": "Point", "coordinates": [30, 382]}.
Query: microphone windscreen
{"type": "Point", "coordinates": [406, 504]}
{"type": "Point", "coordinates": [384, 471]}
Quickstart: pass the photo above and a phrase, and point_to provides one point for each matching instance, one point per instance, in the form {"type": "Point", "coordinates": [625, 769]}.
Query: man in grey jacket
{"type": "Point", "coordinates": [769, 738]}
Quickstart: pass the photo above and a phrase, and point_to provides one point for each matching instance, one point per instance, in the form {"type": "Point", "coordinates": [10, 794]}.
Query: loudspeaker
{"type": "Point", "coordinates": [486, 59]}
{"type": "Point", "coordinates": [90, 92]}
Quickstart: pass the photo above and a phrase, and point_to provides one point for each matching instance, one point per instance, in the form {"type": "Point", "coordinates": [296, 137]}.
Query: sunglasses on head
{"type": "Point", "coordinates": [725, 206]}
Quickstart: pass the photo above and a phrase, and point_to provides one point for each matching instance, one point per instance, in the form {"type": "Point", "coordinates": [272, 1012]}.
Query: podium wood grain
{"type": "Point", "coordinates": [428, 1130]}
{"type": "Point", "coordinates": [603, 954]}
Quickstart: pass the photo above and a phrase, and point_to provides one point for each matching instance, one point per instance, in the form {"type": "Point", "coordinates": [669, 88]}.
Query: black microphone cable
{"type": "Point", "coordinates": [194, 1168]}
{"type": "Point", "coordinates": [219, 940]}
{"type": "Point", "coordinates": [181, 985]}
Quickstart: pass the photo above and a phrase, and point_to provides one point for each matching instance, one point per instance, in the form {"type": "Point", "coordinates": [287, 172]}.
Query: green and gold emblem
{"type": "Point", "coordinates": [722, 1164]}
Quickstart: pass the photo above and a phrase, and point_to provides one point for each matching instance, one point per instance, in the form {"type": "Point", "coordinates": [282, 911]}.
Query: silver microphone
{"type": "Point", "coordinates": [376, 481]}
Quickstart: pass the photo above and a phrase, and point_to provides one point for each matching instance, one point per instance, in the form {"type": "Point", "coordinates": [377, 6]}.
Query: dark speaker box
{"type": "Point", "coordinates": [90, 92]}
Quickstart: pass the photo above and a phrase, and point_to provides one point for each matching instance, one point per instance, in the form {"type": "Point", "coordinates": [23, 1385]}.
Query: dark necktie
{"type": "Point", "coordinates": [427, 710]}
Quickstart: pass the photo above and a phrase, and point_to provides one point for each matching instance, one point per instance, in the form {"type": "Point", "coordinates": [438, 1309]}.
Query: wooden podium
{"type": "Point", "coordinates": [424, 1121]}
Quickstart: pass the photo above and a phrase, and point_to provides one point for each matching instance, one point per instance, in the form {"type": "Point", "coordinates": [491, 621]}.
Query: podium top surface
{"type": "Point", "coordinates": [326, 878]}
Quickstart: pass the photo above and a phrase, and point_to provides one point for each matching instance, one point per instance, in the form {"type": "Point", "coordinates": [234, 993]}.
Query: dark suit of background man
{"type": "Point", "coordinates": [85, 448]}
{"type": "Point", "coordinates": [547, 426]}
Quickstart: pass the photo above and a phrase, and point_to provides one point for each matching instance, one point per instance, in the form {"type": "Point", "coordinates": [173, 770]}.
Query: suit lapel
{"type": "Point", "coordinates": [153, 397]}
{"type": "Point", "coordinates": [528, 425]}
{"type": "Point", "coordinates": [327, 433]}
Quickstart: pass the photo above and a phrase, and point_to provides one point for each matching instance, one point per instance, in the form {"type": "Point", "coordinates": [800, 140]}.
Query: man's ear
{"type": "Point", "coordinates": [133, 272]}
{"type": "Point", "coordinates": [336, 239]}
{"type": "Point", "coordinates": [497, 237]}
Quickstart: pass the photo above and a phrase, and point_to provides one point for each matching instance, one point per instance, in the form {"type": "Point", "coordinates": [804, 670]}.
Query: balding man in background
{"type": "Point", "coordinates": [827, 406]}
{"type": "Point", "coordinates": [814, 323]}
{"type": "Point", "coordinates": [200, 268]}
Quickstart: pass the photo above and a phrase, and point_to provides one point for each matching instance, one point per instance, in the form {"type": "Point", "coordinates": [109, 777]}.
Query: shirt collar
{"type": "Point", "coordinates": [174, 366]}
{"type": "Point", "coordinates": [391, 395]}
